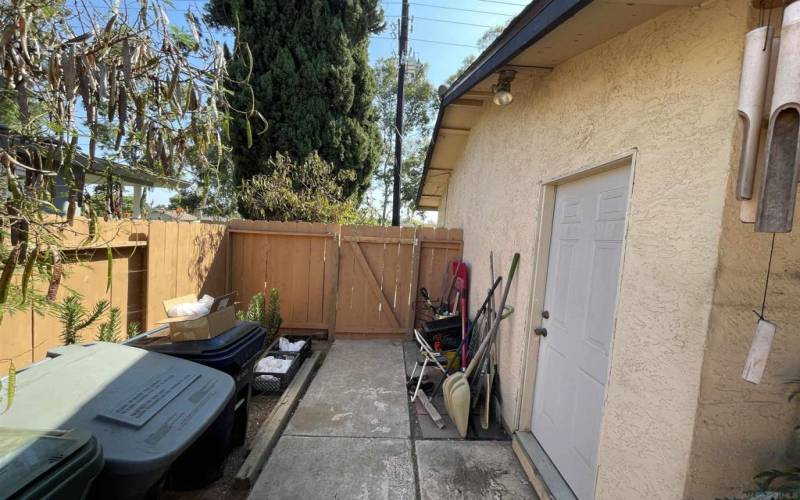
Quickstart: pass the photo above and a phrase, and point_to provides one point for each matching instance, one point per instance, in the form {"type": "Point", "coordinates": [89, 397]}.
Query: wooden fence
{"type": "Point", "coordinates": [342, 280]}
{"type": "Point", "coordinates": [152, 261]}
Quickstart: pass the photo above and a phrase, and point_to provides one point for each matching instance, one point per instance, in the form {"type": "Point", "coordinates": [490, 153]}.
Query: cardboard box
{"type": "Point", "coordinates": [222, 317]}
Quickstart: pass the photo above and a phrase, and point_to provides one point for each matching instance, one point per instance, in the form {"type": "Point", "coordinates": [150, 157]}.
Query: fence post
{"type": "Point", "coordinates": [412, 312]}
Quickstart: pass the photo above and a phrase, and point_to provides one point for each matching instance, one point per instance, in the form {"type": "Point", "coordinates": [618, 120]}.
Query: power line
{"type": "Point", "coordinates": [506, 3]}
{"type": "Point", "coordinates": [449, 21]}
{"type": "Point", "coordinates": [438, 42]}
{"type": "Point", "coordinates": [452, 8]}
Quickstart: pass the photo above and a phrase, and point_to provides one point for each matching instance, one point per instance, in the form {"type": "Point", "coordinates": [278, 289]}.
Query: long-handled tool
{"type": "Point", "coordinates": [451, 364]}
{"type": "Point", "coordinates": [456, 386]}
{"type": "Point", "coordinates": [487, 403]}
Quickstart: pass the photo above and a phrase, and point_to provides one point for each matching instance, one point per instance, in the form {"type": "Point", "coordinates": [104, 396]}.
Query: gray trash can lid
{"type": "Point", "coordinates": [144, 408]}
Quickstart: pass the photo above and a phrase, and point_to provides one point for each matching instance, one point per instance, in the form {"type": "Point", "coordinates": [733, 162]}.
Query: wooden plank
{"type": "Point", "coordinates": [432, 411]}
{"type": "Point", "coordinates": [373, 283]}
{"type": "Point", "coordinates": [315, 288]}
{"type": "Point", "coordinates": [413, 293]}
{"type": "Point", "coordinates": [372, 329]}
{"type": "Point", "coordinates": [331, 284]}
{"type": "Point", "coordinates": [371, 335]}
{"type": "Point", "coordinates": [376, 239]}
{"type": "Point", "coordinates": [284, 233]}
{"type": "Point", "coordinates": [307, 325]}
{"type": "Point", "coordinates": [271, 429]}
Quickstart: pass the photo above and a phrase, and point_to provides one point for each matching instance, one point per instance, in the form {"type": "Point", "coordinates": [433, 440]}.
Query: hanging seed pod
{"type": "Point", "coordinates": [127, 66]}
{"type": "Point", "coordinates": [8, 273]}
{"type": "Point", "coordinates": [139, 102]}
{"type": "Point", "coordinates": [102, 82]}
{"type": "Point", "coordinates": [108, 28]}
{"type": "Point", "coordinates": [112, 93]}
{"type": "Point", "coordinates": [55, 277]}
{"type": "Point", "coordinates": [92, 220]}
{"type": "Point", "coordinates": [54, 70]}
{"type": "Point", "coordinates": [173, 82]}
{"type": "Point", "coordinates": [123, 115]}
{"type": "Point", "coordinates": [191, 98]}
{"type": "Point", "coordinates": [83, 82]}
{"type": "Point", "coordinates": [27, 273]}
{"type": "Point", "coordinates": [22, 27]}
{"type": "Point", "coordinates": [22, 99]}
{"type": "Point", "coordinates": [68, 63]}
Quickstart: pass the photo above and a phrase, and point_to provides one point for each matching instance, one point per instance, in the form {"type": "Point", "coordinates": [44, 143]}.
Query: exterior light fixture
{"type": "Point", "coordinates": [502, 89]}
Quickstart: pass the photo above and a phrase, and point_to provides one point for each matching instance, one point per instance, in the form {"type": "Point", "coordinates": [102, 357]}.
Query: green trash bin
{"type": "Point", "coordinates": [47, 465]}
{"type": "Point", "coordinates": [144, 408]}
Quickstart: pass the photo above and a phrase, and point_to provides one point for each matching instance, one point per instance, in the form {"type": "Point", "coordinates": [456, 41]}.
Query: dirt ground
{"type": "Point", "coordinates": [260, 408]}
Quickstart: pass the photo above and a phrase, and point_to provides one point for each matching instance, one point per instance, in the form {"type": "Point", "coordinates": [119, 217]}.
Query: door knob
{"type": "Point", "coordinates": [546, 314]}
{"type": "Point", "coordinates": [540, 331]}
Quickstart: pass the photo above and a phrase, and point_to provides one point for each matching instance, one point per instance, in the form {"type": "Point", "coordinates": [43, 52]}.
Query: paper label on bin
{"type": "Point", "coordinates": [139, 407]}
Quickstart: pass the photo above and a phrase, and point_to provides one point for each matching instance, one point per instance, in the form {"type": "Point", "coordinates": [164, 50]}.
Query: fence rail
{"type": "Point", "coordinates": [350, 281]}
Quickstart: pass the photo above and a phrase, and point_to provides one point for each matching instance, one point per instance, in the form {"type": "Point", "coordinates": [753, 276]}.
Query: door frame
{"type": "Point", "coordinates": [541, 259]}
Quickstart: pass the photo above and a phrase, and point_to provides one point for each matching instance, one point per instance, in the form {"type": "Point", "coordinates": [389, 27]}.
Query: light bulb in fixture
{"type": "Point", "coordinates": [502, 89]}
{"type": "Point", "coordinates": [502, 97]}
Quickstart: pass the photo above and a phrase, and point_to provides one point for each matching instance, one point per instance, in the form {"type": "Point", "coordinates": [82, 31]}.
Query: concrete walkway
{"type": "Point", "coordinates": [350, 438]}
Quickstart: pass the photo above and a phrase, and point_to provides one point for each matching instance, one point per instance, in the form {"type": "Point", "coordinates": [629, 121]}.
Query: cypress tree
{"type": "Point", "coordinates": [311, 81]}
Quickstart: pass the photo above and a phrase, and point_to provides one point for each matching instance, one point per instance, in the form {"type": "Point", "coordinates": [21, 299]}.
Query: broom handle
{"type": "Point", "coordinates": [485, 343]}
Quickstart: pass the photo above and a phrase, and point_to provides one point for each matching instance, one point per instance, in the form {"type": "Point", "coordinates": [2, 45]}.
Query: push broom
{"type": "Point", "coordinates": [456, 387]}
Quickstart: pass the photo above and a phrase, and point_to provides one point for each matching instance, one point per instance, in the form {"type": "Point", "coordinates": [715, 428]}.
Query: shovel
{"type": "Point", "coordinates": [456, 387]}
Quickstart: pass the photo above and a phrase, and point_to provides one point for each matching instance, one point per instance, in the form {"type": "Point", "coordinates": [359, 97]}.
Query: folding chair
{"type": "Point", "coordinates": [426, 355]}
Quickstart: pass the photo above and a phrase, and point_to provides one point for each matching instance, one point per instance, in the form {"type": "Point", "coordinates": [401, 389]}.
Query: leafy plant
{"type": "Point", "coordinates": [306, 190]}
{"type": "Point", "coordinates": [74, 317]}
{"type": "Point", "coordinates": [110, 330]}
{"type": "Point", "coordinates": [255, 310]}
{"type": "Point", "coordinates": [134, 329]}
{"type": "Point", "coordinates": [273, 320]}
{"type": "Point", "coordinates": [782, 481]}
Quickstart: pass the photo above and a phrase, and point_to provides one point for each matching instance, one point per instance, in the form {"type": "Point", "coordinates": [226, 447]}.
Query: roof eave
{"type": "Point", "coordinates": [533, 23]}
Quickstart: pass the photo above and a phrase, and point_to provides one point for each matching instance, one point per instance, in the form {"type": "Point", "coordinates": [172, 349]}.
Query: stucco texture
{"type": "Point", "coordinates": [668, 90]}
{"type": "Point", "coordinates": [744, 428]}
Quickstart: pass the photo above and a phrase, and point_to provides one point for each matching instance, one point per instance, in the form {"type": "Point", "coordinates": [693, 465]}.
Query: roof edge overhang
{"type": "Point", "coordinates": [533, 23]}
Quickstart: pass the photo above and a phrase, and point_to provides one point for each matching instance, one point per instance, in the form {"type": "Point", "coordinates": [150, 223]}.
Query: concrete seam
{"type": "Point", "coordinates": [412, 440]}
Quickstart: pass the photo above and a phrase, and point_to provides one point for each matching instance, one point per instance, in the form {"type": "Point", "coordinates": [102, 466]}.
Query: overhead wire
{"type": "Point", "coordinates": [417, 4]}
{"type": "Point", "coordinates": [448, 21]}
{"type": "Point", "coordinates": [422, 40]}
{"type": "Point", "coordinates": [505, 3]}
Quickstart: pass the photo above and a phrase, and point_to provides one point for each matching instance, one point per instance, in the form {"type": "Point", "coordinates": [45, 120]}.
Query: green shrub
{"type": "Point", "coordinates": [110, 330]}
{"type": "Point", "coordinates": [74, 317]}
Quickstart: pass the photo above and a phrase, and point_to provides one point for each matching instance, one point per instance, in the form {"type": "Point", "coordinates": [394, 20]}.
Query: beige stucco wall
{"type": "Point", "coordinates": [668, 89]}
{"type": "Point", "coordinates": [742, 428]}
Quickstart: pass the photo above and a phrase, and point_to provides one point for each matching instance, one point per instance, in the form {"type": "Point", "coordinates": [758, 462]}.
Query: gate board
{"type": "Point", "coordinates": [347, 280]}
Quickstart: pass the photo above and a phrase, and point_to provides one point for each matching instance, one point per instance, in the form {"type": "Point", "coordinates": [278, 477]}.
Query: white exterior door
{"type": "Point", "coordinates": [580, 298]}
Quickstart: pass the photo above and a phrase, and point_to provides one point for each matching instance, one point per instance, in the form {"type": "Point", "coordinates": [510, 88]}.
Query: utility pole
{"type": "Point", "coordinates": [398, 119]}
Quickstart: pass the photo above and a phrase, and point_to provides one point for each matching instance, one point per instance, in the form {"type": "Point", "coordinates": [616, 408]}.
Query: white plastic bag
{"type": "Point", "coordinates": [287, 345]}
{"type": "Point", "coordinates": [197, 308]}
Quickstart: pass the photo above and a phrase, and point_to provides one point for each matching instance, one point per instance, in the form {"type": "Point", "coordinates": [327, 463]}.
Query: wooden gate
{"type": "Point", "coordinates": [343, 280]}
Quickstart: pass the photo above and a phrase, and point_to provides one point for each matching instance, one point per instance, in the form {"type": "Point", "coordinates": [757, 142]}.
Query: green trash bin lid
{"type": "Point", "coordinates": [47, 464]}
{"type": "Point", "coordinates": [144, 408]}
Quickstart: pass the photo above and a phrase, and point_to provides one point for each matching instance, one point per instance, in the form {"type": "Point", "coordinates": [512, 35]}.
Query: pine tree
{"type": "Point", "coordinates": [311, 81]}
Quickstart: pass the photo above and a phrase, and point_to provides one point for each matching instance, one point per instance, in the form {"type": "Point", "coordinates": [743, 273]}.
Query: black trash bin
{"type": "Point", "coordinates": [234, 352]}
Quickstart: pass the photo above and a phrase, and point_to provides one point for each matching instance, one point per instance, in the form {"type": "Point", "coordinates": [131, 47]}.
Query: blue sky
{"type": "Point", "coordinates": [442, 34]}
